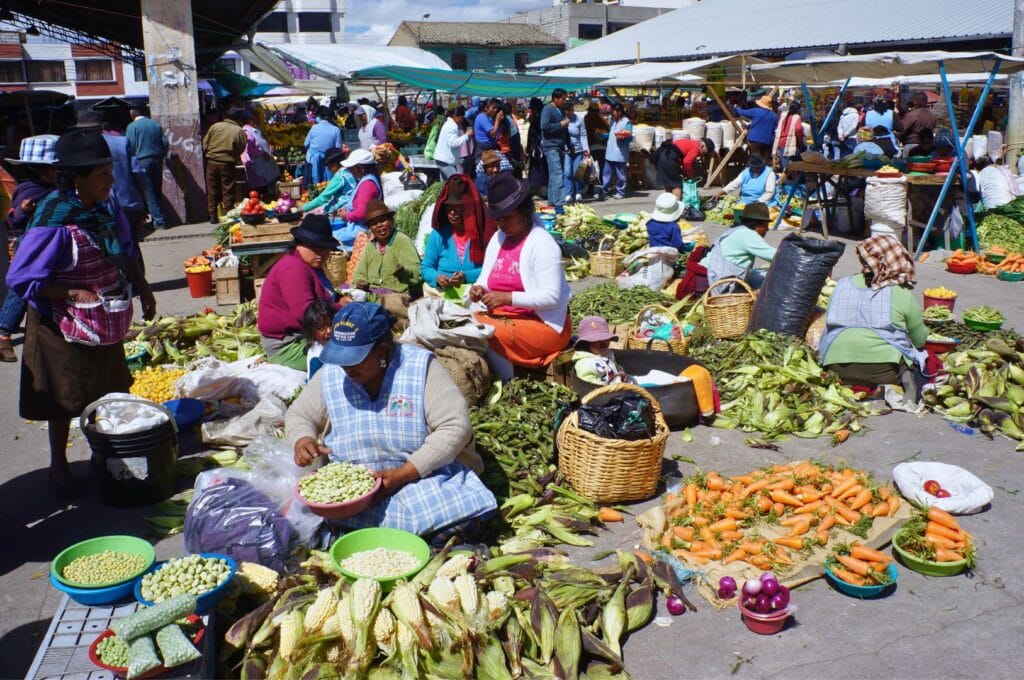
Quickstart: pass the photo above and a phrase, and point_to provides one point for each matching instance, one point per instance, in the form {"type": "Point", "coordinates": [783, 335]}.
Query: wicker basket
{"type": "Point", "coordinates": [727, 315]}
{"type": "Point", "coordinates": [336, 268]}
{"type": "Point", "coordinates": [606, 263]}
{"type": "Point", "coordinates": [612, 470]}
{"type": "Point", "coordinates": [635, 342]}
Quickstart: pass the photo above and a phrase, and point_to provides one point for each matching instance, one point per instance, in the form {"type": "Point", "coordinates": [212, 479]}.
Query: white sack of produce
{"type": "Point", "coordinates": [426, 226]}
{"type": "Point", "coordinates": [263, 419]}
{"type": "Point", "coordinates": [650, 267]}
{"type": "Point", "coordinates": [435, 323]}
{"type": "Point", "coordinates": [130, 413]}
{"type": "Point", "coordinates": [400, 198]}
{"type": "Point", "coordinates": [967, 493]}
{"type": "Point", "coordinates": [391, 183]}
{"type": "Point", "coordinates": [885, 200]}
{"type": "Point", "coordinates": [213, 380]}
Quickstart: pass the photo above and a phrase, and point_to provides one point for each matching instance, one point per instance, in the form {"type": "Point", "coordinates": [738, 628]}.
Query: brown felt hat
{"type": "Point", "coordinates": [456, 191]}
{"type": "Point", "coordinates": [376, 210]}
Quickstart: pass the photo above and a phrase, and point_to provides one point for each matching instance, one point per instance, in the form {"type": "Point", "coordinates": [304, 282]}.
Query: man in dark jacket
{"type": "Point", "coordinates": [553, 123]}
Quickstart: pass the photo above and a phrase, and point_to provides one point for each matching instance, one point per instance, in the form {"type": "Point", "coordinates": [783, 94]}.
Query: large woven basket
{"type": "Point", "coordinates": [336, 268]}
{"type": "Point", "coordinates": [606, 263]}
{"type": "Point", "coordinates": [727, 315]}
{"type": "Point", "coordinates": [635, 342]}
{"type": "Point", "coordinates": [612, 470]}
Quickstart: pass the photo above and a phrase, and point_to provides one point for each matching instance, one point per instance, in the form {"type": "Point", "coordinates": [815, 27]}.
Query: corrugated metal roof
{"type": "Point", "coordinates": [493, 34]}
{"type": "Point", "coordinates": [715, 27]}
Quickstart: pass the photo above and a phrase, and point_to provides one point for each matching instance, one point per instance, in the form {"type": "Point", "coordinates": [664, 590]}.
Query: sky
{"type": "Point", "coordinates": [376, 20]}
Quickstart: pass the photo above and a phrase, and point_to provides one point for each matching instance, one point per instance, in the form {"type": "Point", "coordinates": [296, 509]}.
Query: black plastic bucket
{"type": "Point", "coordinates": [137, 468]}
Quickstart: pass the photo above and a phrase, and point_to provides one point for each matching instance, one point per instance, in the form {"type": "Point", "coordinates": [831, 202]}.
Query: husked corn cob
{"type": "Point", "coordinates": [405, 602]}
{"type": "Point", "coordinates": [256, 579]}
{"type": "Point", "coordinates": [364, 598]}
{"type": "Point", "coordinates": [384, 630]}
{"type": "Point", "coordinates": [469, 596]}
{"type": "Point", "coordinates": [497, 605]}
{"type": "Point", "coordinates": [443, 592]}
{"type": "Point", "coordinates": [291, 627]}
{"type": "Point", "coordinates": [455, 566]}
{"type": "Point", "coordinates": [324, 607]}
{"type": "Point", "coordinates": [344, 616]}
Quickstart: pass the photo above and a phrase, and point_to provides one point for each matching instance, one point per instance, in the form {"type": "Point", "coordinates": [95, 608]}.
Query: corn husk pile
{"type": "Point", "coordinates": [178, 340]}
{"type": "Point", "coordinates": [524, 615]}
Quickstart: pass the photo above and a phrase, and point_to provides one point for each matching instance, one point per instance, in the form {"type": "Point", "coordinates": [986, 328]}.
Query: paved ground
{"type": "Point", "coordinates": [953, 627]}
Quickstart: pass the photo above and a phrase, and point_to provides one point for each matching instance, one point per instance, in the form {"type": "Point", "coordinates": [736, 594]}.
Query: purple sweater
{"type": "Point", "coordinates": [290, 286]}
{"type": "Point", "coordinates": [31, 190]}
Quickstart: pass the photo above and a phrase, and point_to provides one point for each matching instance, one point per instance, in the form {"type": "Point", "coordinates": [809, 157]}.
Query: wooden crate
{"type": "Point", "coordinates": [268, 231]}
{"type": "Point", "coordinates": [292, 188]}
{"type": "Point", "coordinates": [257, 286]}
{"type": "Point", "coordinates": [228, 285]}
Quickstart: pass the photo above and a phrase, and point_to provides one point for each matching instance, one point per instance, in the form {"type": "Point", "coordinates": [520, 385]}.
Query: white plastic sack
{"type": "Point", "coordinates": [651, 267]}
{"type": "Point", "coordinates": [968, 494]}
{"type": "Point", "coordinates": [134, 414]}
{"type": "Point", "coordinates": [426, 317]}
{"type": "Point", "coordinates": [391, 183]}
{"type": "Point", "coordinates": [425, 229]}
{"type": "Point", "coordinates": [213, 380]}
{"type": "Point", "coordinates": [264, 419]}
{"type": "Point", "coordinates": [885, 200]}
{"type": "Point", "coordinates": [400, 198]}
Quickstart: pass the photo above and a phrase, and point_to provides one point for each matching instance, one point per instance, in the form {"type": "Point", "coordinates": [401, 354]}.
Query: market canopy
{"type": "Point", "coordinates": [720, 69]}
{"type": "Point", "coordinates": [506, 85]}
{"type": "Point", "coordinates": [884, 65]}
{"type": "Point", "coordinates": [339, 63]}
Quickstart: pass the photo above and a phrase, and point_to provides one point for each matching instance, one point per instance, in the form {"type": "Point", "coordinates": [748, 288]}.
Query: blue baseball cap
{"type": "Point", "coordinates": [355, 330]}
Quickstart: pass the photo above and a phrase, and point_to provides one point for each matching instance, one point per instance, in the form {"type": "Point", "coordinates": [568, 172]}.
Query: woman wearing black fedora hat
{"type": "Point", "coordinates": [77, 266]}
{"type": "Point", "coordinates": [522, 284]}
{"type": "Point", "coordinates": [294, 282]}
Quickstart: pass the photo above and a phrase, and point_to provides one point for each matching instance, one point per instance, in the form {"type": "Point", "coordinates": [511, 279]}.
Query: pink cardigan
{"type": "Point", "coordinates": [290, 287]}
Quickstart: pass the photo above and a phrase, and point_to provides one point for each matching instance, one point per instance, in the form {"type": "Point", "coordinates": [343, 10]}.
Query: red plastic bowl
{"type": "Point", "coordinates": [341, 510]}
{"type": "Point", "coordinates": [943, 164]}
{"type": "Point", "coordinates": [962, 268]}
{"type": "Point", "coordinates": [122, 671]}
{"type": "Point", "coordinates": [763, 624]}
{"type": "Point", "coordinates": [949, 303]}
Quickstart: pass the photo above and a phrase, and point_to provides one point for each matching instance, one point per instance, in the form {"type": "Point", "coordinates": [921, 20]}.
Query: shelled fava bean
{"type": "Point", "coordinates": [336, 483]}
{"type": "Point", "coordinates": [113, 651]}
{"type": "Point", "coordinates": [193, 574]}
{"type": "Point", "coordinates": [103, 567]}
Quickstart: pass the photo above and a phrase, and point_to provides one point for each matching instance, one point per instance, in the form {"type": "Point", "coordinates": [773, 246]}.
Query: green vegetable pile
{"type": "Point", "coordinates": [634, 237]}
{"type": "Point", "coordinates": [407, 217]}
{"type": "Point", "coordinates": [113, 651]}
{"type": "Point", "coordinates": [771, 383]}
{"type": "Point", "coordinates": [937, 313]}
{"type": "Point", "coordinates": [1004, 226]}
{"type": "Point", "coordinates": [580, 224]}
{"type": "Point", "coordinates": [178, 340]}
{"type": "Point", "coordinates": [984, 313]}
{"type": "Point", "coordinates": [337, 482]}
{"type": "Point", "coordinates": [970, 338]}
{"type": "Point", "coordinates": [576, 268]}
{"type": "Point", "coordinates": [104, 567]}
{"type": "Point", "coordinates": [194, 574]}
{"type": "Point", "coordinates": [719, 212]}
{"type": "Point", "coordinates": [613, 303]}
{"type": "Point", "coordinates": [985, 388]}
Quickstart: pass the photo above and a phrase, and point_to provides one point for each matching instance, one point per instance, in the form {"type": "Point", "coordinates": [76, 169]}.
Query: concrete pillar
{"type": "Point", "coordinates": [174, 103]}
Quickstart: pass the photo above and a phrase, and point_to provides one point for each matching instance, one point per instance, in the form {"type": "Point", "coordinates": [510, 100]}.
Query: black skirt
{"type": "Point", "coordinates": [59, 378]}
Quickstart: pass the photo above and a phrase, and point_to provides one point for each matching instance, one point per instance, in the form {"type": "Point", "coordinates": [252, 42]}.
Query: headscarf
{"type": "Point", "coordinates": [887, 261]}
{"type": "Point", "coordinates": [473, 215]}
{"type": "Point", "coordinates": [63, 208]}
{"type": "Point", "coordinates": [371, 116]}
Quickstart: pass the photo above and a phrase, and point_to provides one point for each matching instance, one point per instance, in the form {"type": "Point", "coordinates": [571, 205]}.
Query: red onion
{"type": "Point", "coordinates": [749, 602]}
{"type": "Point", "coordinates": [767, 575]}
{"type": "Point", "coordinates": [780, 600]}
{"type": "Point", "coordinates": [764, 604]}
{"type": "Point", "coordinates": [752, 587]}
{"type": "Point", "coordinates": [727, 582]}
{"type": "Point", "coordinates": [769, 587]}
{"type": "Point", "coordinates": [675, 606]}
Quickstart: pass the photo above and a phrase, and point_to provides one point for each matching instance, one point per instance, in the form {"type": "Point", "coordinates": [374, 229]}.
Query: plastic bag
{"type": "Point", "coordinates": [885, 200]}
{"type": "Point", "coordinates": [400, 198]}
{"type": "Point", "coordinates": [629, 417]}
{"type": "Point", "coordinates": [241, 430]}
{"type": "Point", "coordinates": [583, 170]}
{"type": "Point", "coordinates": [426, 226]}
{"type": "Point", "coordinates": [214, 380]}
{"type": "Point", "coordinates": [435, 132]}
{"type": "Point", "coordinates": [651, 267]}
{"type": "Point", "coordinates": [691, 197]}
{"type": "Point", "coordinates": [129, 414]}
{"type": "Point", "coordinates": [794, 281]}
{"type": "Point", "coordinates": [967, 493]}
{"type": "Point", "coordinates": [435, 323]}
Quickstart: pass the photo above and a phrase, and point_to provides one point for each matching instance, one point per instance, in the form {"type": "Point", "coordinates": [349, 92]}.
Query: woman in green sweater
{"type": "Point", "coordinates": [874, 327]}
{"type": "Point", "coordinates": [390, 263]}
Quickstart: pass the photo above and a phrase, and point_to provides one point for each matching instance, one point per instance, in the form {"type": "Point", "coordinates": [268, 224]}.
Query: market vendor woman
{"type": "Point", "coordinates": [733, 254]}
{"type": "Point", "coordinates": [874, 327]}
{"type": "Point", "coordinates": [371, 397]}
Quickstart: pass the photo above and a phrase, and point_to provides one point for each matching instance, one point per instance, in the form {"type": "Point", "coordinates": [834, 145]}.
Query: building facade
{"type": "Point", "coordinates": [575, 23]}
{"type": "Point", "coordinates": [468, 46]}
{"type": "Point", "coordinates": [305, 22]}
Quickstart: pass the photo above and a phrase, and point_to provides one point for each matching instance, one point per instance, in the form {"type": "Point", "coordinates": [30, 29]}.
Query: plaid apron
{"type": "Point", "coordinates": [720, 268]}
{"type": "Point", "coordinates": [93, 323]}
{"type": "Point", "coordinates": [382, 434]}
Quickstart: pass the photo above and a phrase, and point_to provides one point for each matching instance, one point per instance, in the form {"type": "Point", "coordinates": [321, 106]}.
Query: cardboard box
{"type": "Point", "coordinates": [227, 281]}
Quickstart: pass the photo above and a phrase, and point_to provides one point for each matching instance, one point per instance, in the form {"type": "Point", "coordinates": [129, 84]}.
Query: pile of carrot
{"type": "Point", "coordinates": [964, 258]}
{"type": "Point", "coordinates": [935, 535]}
{"type": "Point", "coordinates": [716, 518]}
{"type": "Point", "coordinates": [1013, 262]}
{"type": "Point", "coordinates": [859, 565]}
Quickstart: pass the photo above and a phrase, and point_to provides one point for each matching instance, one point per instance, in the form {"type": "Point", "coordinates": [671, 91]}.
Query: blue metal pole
{"type": "Point", "coordinates": [789, 197]}
{"type": "Point", "coordinates": [810, 115]}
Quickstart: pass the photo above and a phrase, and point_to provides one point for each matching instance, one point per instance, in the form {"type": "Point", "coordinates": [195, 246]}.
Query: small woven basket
{"type": "Point", "coordinates": [727, 315]}
{"type": "Point", "coordinates": [336, 268]}
{"type": "Point", "coordinates": [606, 263]}
{"type": "Point", "coordinates": [634, 341]}
{"type": "Point", "coordinates": [612, 470]}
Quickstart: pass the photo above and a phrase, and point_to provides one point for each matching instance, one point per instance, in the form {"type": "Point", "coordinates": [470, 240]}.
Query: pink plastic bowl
{"type": "Point", "coordinates": [341, 510]}
{"type": "Point", "coordinates": [764, 624]}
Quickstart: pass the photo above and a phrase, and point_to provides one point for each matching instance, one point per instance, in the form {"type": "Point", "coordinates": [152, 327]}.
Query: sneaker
{"type": "Point", "coordinates": [619, 197]}
{"type": "Point", "coordinates": [568, 199]}
{"type": "Point", "coordinates": [7, 350]}
{"type": "Point", "coordinates": [579, 198]}
{"type": "Point", "coordinates": [601, 196]}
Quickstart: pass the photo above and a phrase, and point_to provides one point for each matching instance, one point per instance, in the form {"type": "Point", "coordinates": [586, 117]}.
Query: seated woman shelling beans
{"type": "Point", "coordinates": [370, 396]}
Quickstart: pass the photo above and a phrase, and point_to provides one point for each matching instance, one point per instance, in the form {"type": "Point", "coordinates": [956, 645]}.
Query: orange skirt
{"type": "Point", "coordinates": [526, 340]}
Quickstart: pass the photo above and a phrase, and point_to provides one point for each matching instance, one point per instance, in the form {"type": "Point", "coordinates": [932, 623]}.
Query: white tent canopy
{"type": "Point", "coordinates": [675, 72]}
{"type": "Point", "coordinates": [884, 65]}
{"type": "Point", "coordinates": [338, 62]}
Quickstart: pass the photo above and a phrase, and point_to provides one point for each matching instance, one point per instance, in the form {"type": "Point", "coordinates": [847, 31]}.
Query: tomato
{"type": "Point", "coordinates": [932, 487]}
{"type": "Point", "coordinates": [942, 493]}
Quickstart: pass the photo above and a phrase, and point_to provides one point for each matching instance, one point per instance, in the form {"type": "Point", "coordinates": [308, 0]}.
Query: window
{"type": "Point", "coordinates": [94, 70]}
{"type": "Point", "coordinates": [458, 61]}
{"type": "Point", "coordinates": [314, 22]}
{"type": "Point", "coordinates": [275, 22]}
{"type": "Point", "coordinates": [45, 72]}
{"type": "Point", "coordinates": [589, 31]}
{"type": "Point", "coordinates": [12, 71]}
{"type": "Point", "coordinates": [612, 28]}
{"type": "Point", "coordinates": [522, 59]}
{"type": "Point", "coordinates": [139, 72]}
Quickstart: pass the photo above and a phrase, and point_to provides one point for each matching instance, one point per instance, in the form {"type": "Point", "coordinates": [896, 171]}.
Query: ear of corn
{"type": "Point", "coordinates": [442, 591]}
{"type": "Point", "coordinates": [639, 607]}
{"type": "Point", "coordinates": [497, 607]}
{"type": "Point", "coordinates": [256, 579]}
{"type": "Point", "coordinates": [543, 620]}
{"type": "Point", "coordinates": [613, 618]}
{"type": "Point", "coordinates": [364, 602]}
{"type": "Point", "coordinates": [345, 626]}
{"type": "Point", "coordinates": [288, 638]}
{"type": "Point", "coordinates": [384, 631]}
{"type": "Point", "coordinates": [405, 602]}
{"type": "Point", "coordinates": [568, 646]}
{"type": "Point", "coordinates": [513, 645]}
{"type": "Point", "coordinates": [324, 607]}
{"type": "Point", "coordinates": [469, 596]}
{"type": "Point", "coordinates": [455, 566]}
{"type": "Point", "coordinates": [408, 648]}
{"type": "Point", "coordinates": [491, 660]}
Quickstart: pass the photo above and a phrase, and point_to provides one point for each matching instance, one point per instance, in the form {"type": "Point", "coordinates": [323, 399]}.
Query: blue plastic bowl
{"type": "Point", "coordinates": [206, 602]}
{"type": "Point", "coordinates": [94, 596]}
{"type": "Point", "coordinates": [186, 412]}
{"type": "Point", "coordinates": [863, 592]}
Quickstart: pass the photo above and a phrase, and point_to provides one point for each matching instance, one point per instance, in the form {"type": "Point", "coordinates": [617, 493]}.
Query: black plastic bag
{"type": "Point", "coordinates": [691, 214]}
{"type": "Point", "coordinates": [793, 283]}
{"type": "Point", "coordinates": [628, 417]}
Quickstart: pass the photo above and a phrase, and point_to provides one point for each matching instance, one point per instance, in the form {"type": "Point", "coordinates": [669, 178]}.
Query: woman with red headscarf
{"type": "Point", "coordinates": [454, 252]}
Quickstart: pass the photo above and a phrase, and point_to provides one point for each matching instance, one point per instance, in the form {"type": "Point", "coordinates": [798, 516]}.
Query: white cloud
{"type": "Point", "coordinates": [376, 20]}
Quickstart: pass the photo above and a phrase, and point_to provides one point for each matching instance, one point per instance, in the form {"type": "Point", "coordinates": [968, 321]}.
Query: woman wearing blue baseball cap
{"type": "Point", "coordinates": [370, 396]}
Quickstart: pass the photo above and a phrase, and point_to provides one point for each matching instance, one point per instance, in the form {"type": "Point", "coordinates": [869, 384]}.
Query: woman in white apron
{"type": "Point", "coordinates": [733, 253]}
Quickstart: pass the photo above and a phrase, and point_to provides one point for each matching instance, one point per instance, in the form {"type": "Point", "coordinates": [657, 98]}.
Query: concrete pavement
{"type": "Point", "coordinates": [929, 627]}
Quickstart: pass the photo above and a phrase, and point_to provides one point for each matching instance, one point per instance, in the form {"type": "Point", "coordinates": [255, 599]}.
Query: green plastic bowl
{"type": "Point", "coordinates": [863, 592]}
{"type": "Point", "coordinates": [368, 539]}
{"type": "Point", "coordinates": [1011, 276]}
{"type": "Point", "coordinates": [983, 325]}
{"type": "Point", "coordinates": [122, 544]}
{"type": "Point", "coordinates": [926, 567]}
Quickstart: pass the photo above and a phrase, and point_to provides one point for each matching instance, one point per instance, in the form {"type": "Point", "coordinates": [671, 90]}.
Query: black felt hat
{"type": "Point", "coordinates": [82, 147]}
{"type": "Point", "coordinates": [315, 231]}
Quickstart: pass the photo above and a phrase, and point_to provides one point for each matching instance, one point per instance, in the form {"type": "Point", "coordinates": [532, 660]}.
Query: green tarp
{"type": "Point", "coordinates": [506, 85]}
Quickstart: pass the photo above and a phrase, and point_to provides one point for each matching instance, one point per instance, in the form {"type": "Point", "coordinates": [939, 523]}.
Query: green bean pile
{"type": "Point", "coordinates": [193, 574]}
{"type": "Point", "coordinates": [336, 483]}
{"type": "Point", "coordinates": [103, 567]}
{"type": "Point", "coordinates": [613, 303]}
{"type": "Point", "coordinates": [113, 651]}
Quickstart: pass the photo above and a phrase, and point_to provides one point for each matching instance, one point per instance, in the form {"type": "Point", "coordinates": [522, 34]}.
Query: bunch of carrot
{"type": "Point", "coordinates": [716, 518]}
{"type": "Point", "coordinates": [1013, 262]}
{"type": "Point", "coordinates": [935, 535]}
{"type": "Point", "coordinates": [964, 258]}
{"type": "Point", "coordinates": [859, 565]}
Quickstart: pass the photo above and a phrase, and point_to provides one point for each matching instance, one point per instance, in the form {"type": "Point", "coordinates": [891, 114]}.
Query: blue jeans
{"type": "Point", "coordinates": [556, 178]}
{"type": "Point", "coordinates": [618, 170]}
{"type": "Point", "coordinates": [572, 185]}
{"type": "Point", "coordinates": [153, 181]}
{"type": "Point", "coordinates": [12, 313]}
